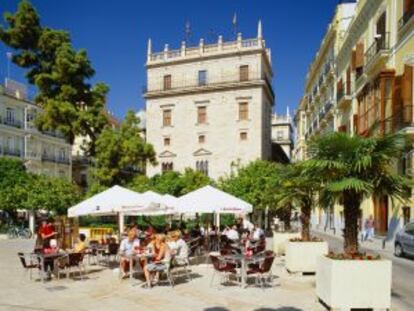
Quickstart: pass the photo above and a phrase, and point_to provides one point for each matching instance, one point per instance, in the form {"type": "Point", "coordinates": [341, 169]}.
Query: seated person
{"type": "Point", "coordinates": [80, 246]}
{"type": "Point", "coordinates": [258, 232]}
{"type": "Point", "coordinates": [232, 234]}
{"type": "Point", "coordinates": [160, 256]}
{"type": "Point", "coordinates": [180, 248]}
{"type": "Point", "coordinates": [126, 249]}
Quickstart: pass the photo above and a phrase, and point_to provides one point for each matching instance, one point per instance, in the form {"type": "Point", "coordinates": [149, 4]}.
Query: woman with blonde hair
{"type": "Point", "coordinates": [159, 261]}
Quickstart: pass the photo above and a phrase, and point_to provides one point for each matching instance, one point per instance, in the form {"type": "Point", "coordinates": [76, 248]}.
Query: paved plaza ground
{"type": "Point", "coordinates": [102, 290]}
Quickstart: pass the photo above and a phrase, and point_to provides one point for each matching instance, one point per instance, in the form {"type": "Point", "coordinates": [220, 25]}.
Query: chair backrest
{"type": "Point", "coordinates": [93, 243]}
{"type": "Point", "coordinates": [22, 258]}
{"type": "Point", "coordinates": [216, 262]}
{"type": "Point", "coordinates": [113, 248]}
{"type": "Point", "coordinates": [267, 263]}
{"type": "Point", "coordinates": [75, 259]}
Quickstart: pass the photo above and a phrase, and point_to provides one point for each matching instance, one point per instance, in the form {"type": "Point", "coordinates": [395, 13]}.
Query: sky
{"type": "Point", "coordinates": [115, 35]}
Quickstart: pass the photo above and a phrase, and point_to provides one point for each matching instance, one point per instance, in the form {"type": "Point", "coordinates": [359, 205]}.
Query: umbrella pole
{"type": "Point", "coordinates": [121, 225]}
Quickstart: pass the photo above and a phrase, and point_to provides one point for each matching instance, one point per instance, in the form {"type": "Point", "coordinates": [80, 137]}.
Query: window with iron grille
{"type": "Point", "coordinates": [243, 111]}
{"type": "Point", "coordinates": [166, 117]}
{"type": "Point", "coordinates": [244, 73]}
{"type": "Point", "coordinates": [201, 114]}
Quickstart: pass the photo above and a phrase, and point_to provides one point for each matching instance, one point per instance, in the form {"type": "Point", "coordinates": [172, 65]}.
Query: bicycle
{"type": "Point", "coordinates": [20, 232]}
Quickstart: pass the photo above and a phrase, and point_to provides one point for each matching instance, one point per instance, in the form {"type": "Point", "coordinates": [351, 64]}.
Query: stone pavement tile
{"type": "Point", "coordinates": [102, 290]}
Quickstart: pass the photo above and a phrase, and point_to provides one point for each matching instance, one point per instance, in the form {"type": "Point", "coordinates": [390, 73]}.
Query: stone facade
{"type": "Point", "coordinates": [282, 133]}
{"type": "Point", "coordinates": [43, 152]}
{"type": "Point", "coordinates": [209, 107]}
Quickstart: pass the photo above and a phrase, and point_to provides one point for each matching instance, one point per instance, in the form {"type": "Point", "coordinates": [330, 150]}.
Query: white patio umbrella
{"type": "Point", "coordinates": [165, 205]}
{"type": "Point", "coordinates": [212, 200]}
{"type": "Point", "coordinates": [170, 200]}
{"type": "Point", "coordinates": [110, 202]}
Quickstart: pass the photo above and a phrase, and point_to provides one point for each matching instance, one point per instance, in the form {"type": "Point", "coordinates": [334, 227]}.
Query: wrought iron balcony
{"type": "Point", "coordinates": [63, 160]}
{"type": "Point", "coordinates": [406, 17]}
{"type": "Point", "coordinates": [12, 152]}
{"type": "Point", "coordinates": [53, 134]}
{"type": "Point", "coordinates": [11, 122]}
{"type": "Point", "coordinates": [380, 45]}
{"type": "Point", "coordinates": [48, 158]}
{"type": "Point", "coordinates": [211, 82]}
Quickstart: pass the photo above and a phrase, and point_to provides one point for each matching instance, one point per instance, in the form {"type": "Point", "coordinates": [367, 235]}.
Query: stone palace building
{"type": "Point", "coordinates": [209, 107]}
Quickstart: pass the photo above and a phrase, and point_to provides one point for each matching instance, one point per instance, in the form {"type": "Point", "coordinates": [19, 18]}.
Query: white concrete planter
{"type": "Point", "coordinates": [346, 284]}
{"type": "Point", "coordinates": [302, 256]}
{"type": "Point", "coordinates": [280, 240]}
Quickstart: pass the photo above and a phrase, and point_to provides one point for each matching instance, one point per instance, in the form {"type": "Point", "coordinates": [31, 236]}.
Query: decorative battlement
{"type": "Point", "coordinates": [205, 50]}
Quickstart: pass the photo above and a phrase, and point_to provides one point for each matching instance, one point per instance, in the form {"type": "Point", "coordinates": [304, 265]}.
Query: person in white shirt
{"type": "Point", "coordinates": [258, 232]}
{"type": "Point", "coordinates": [232, 234]}
{"type": "Point", "coordinates": [126, 249]}
{"type": "Point", "coordinates": [179, 248]}
{"type": "Point", "coordinates": [248, 225]}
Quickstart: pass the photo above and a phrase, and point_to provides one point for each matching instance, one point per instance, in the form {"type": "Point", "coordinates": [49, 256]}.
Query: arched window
{"type": "Point", "coordinates": [166, 166]}
{"type": "Point", "coordinates": [202, 166]}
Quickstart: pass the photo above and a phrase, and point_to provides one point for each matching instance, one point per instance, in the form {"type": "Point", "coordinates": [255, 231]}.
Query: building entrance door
{"type": "Point", "coordinates": [381, 215]}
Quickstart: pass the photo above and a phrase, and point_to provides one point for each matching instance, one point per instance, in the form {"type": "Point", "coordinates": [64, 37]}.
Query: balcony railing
{"type": "Point", "coordinates": [206, 49]}
{"type": "Point", "coordinates": [48, 158]}
{"type": "Point", "coordinates": [380, 44]}
{"type": "Point", "coordinates": [328, 106]}
{"type": "Point", "coordinates": [54, 134]}
{"type": "Point", "coordinates": [62, 160]}
{"type": "Point", "coordinates": [211, 81]}
{"type": "Point", "coordinates": [406, 17]}
{"type": "Point", "coordinates": [12, 152]}
{"type": "Point", "coordinates": [11, 122]}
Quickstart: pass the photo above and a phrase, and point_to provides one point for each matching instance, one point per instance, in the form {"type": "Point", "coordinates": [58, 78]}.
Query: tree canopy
{"type": "Point", "coordinates": [23, 190]}
{"type": "Point", "coordinates": [61, 74]}
{"type": "Point", "coordinates": [121, 153]}
{"type": "Point", "coordinates": [172, 182]}
{"type": "Point", "coordinates": [254, 183]}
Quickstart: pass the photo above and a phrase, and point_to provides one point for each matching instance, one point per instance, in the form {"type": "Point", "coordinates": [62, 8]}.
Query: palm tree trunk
{"type": "Point", "coordinates": [351, 212]}
{"type": "Point", "coordinates": [305, 219]}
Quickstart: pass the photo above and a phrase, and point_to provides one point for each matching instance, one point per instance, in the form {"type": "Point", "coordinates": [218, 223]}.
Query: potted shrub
{"type": "Point", "coordinates": [352, 168]}
{"type": "Point", "coordinates": [299, 189]}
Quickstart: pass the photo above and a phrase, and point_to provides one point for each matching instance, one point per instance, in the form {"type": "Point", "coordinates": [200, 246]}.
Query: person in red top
{"type": "Point", "coordinates": [46, 232]}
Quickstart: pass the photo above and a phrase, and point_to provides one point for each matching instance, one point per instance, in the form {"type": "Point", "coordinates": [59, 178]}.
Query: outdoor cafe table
{"type": "Point", "coordinates": [44, 257]}
{"type": "Point", "coordinates": [244, 262]}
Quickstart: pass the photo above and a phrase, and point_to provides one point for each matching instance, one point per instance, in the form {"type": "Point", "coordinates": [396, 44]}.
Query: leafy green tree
{"type": "Point", "coordinates": [353, 168]}
{"type": "Point", "coordinates": [170, 182]}
{"type": "Point", "coordinates": [61, 74]}
{"type": "Point", "coordinates": [23, 190]}
{"type": "Point", "coordinates": [140, 183]}
{"type": "Point", "coordinates": [49, 193]}
{"type": "Point", "coordinates": [121, 153]}
{"type": "Point", "coordinates": [256, 184]}
{"type": "Point", "coordinates": [193, 180]}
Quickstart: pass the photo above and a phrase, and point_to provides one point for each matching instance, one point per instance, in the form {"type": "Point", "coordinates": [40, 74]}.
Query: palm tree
{"type": "Point", "coordinates": [353, 168]}
{"type": "Point", "coordinates": [296, 188]}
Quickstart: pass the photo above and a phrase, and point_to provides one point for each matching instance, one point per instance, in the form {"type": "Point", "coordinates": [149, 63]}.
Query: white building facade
{"type": "Point", "coordinates": [282, 133]}
{"type": "Point", "coordinates": [209, 107]}
{"type": "Point", "coordinates": [42, 152]}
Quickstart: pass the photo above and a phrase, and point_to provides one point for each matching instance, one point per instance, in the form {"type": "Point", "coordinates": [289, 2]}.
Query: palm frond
{"type": "Point", "coordinates": [348, 184]}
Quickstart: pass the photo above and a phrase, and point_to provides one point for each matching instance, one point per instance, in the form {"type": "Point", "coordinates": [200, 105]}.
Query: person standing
{"type": "Point", "coordinates": [369, 228]}
{"type": "Point", "coordinates": [46, 232]}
